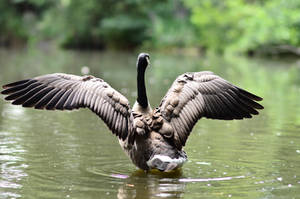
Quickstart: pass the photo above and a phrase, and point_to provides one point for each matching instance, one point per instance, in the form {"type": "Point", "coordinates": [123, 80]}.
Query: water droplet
{"type": "Point", "coordinates": [204, 163]}
{"type": "Point", "coordinates": [85, 70]}
{"type": "Point", "coordinates": [278, 134]}
{"type": "Point", "coordinates": [279, 179]}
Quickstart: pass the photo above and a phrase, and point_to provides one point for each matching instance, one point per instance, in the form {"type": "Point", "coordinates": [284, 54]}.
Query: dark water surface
{"type": "Point", "coordinates": [58, 154]}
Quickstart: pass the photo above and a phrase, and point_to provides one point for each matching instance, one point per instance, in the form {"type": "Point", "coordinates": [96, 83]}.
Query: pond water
{"type": "Point", "coordinates": [54, 154]}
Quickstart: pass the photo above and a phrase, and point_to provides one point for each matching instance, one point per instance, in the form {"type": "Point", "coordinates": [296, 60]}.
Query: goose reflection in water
{"type": "Point", "coordinates": [152, 184]}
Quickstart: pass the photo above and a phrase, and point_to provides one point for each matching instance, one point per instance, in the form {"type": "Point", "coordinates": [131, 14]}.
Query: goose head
{"type": "Point", "coordinates": [143, 61]}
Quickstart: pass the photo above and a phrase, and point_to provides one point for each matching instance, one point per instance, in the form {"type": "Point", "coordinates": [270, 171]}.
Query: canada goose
{"type": "Point", "coordinates": [151, 138]}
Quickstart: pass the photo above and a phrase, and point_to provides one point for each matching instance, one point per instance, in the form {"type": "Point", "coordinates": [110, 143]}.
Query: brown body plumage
{"type": "Point", "coordinates": [151, 138]}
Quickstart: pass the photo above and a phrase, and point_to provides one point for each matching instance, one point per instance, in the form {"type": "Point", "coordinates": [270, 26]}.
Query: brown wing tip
{"type": "Point", "coordinates": [260, 106]}
{"type": "Point", "coordinates": [252, 97]}
{"type": "Point", "coordinates": [3, 92]}
{"type": "Point", "coordinates": [258, 98]}
{"type": "Point", "coordinates": [6, 86]}
{"type": "Point", "coordinates": [257, 105]}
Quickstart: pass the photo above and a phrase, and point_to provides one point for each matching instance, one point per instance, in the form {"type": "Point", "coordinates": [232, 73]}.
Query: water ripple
{"type": "Point", "coordinates": [11, 166]}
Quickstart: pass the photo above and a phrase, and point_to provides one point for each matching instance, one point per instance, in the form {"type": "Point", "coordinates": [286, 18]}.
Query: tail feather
{"type": "Point", "coordinates": [166, 163]}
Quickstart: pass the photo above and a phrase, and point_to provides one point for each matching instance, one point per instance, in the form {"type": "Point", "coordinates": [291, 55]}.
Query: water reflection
{"type": "Point", "coordinates": [11, 154]}
{"type": "Point", "coordinates": [145, 185]}
{"type": "Point", "coordinates": [137, 183]}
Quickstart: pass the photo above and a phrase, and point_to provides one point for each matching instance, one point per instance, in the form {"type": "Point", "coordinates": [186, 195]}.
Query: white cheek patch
{"type": "Point", "coordinates": [148, 60]}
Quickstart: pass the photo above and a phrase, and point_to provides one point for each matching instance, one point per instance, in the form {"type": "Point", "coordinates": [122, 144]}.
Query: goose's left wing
{"type": "Point", "coordinates": [204, 94]}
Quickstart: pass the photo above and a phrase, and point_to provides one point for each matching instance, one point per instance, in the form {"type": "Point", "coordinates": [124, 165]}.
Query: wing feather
{"type": "Point", "coordinates": [62, 100]}
{"type": "Point", "coordinates": [118, 121]}
{"type": "Point", "coordinates": [51, 104]}
{"type": "Point", "coordinates": [19, 93]}
{"type": "Point", "coordinates": [16, 84]}
{"type": "Point", "coordinates": [29, 94]}
{"type": "Point", "coordinates": [204, 94]}
{"type": "Point", "coordinates": [35, 98]}
{"type": "Point", "coordinates": [68, 102]}
{"type": "Point", "coordinates": [63, 91]}
{"type": "Point", "coordinates": [44, 101]}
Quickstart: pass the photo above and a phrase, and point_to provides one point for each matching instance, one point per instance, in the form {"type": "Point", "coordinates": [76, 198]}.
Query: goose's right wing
{"type": "Point", "coordinates": [63, 91]}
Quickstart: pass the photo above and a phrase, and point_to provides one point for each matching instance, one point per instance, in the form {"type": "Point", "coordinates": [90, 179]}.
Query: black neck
{"type": "Point", "coordinates": [141, 89]}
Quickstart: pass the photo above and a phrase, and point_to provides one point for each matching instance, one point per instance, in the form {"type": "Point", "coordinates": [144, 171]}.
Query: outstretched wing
{"type": "Point", "coordinates": [63, 91]}
{"type": "Point", "coordinates": [204, 94]}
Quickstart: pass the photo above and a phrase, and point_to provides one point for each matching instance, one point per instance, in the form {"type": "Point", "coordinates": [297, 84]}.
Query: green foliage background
{"type": "Point", "coordinates": [230, 25]}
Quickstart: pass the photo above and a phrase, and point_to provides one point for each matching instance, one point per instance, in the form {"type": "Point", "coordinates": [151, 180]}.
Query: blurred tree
{"type": "Point", "coordinates": [271, 26]}
{"type": "Point", "coordinates": [81, 24]}
{"type": "Point", "coordinates": [243, 25]}
{"type": "Point", "coordinates": [95, 24]}
{"type": "Point", "coordinates": [171, 26]}
{"type": "Point", "coordinates": [17, 19]}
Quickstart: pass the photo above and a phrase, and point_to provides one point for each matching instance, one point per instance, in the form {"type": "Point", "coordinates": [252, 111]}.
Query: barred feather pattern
{"type": "Point", "coordinates": [61, 91]}
{"type": "Point", "coordinates": [204, 94]}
